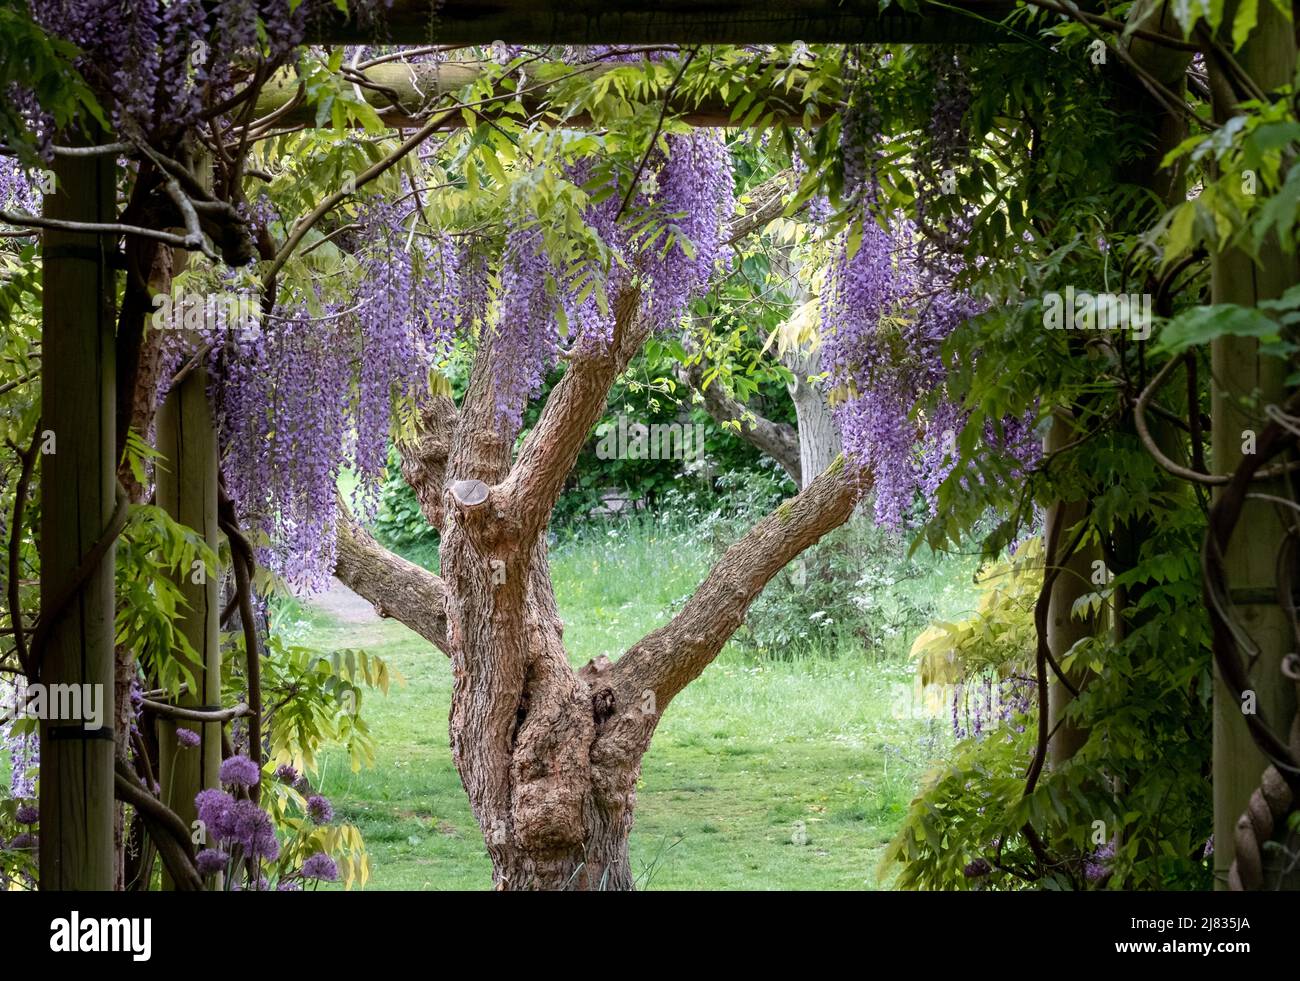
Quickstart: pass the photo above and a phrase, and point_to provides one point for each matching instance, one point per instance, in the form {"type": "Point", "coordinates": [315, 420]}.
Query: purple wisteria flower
{"type": "Point", "coordinates": [319, 809]}
{"type": "Point", "coordinates": [1097, 865]}
{"type": "Point", "coordinates": [320, 867]}
{"type": "Point", "coordinates": [240, 771]}
{"type": "Point", "coordinates": [187, 738]}
{"type": "Point", "coordinates": [27, 814]}
{"type": "Point", "coordinates": [211, 861]}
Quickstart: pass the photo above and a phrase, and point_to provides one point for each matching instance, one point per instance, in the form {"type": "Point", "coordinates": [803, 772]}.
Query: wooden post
{"type": "Point", "coordinates": [187, 490]}
{"type": "Point", "coordinates": [1244, 383]}
{"type": "Point", "coordinates": [1073, 581]}
{"type": "Point", "coordinates": [77, 505]}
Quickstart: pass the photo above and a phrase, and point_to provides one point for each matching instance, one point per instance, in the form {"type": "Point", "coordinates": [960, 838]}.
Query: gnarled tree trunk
{"type": "Point", "coordinates": [550, 755]}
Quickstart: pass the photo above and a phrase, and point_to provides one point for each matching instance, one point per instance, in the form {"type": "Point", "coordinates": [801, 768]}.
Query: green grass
{"type": "Point", "coordinates": [751, 758]}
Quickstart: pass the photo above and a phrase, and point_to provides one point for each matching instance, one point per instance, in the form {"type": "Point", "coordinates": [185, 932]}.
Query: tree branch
{"type": "Point", "coordinates": [397, 588]}
{"type": "Point", "coordinates": [666, 660]}
{"type": "Point", "coordinates": [779, 440]}
{"type": "Point", "coordinates": [574, 406]}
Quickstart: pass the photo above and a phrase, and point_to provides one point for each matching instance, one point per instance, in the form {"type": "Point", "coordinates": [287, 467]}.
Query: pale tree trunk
{"type": "Point", "coordinates": [819, 434]}
{"type": "Point", "coordinates": [549, 756]}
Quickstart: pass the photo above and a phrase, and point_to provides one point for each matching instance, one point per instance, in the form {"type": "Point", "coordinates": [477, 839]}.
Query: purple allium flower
{"type": "Point", "coordinates": [214, 809]}
{"type": "Point", "coordinates": [319, 809]}
{"type": "Point", "coordinates": [286, 774]}
{"type": "Point", "coordinates": [262, 885]}
{"type": "Point", "coordinates": [187, 738]}
{"type": "Point", "coordinates": [240, 771]}
{"type": "Point", "coordinates": [288, 885]}
{"type": "Point", "coordinates": [22, 841]}
{"type": "Point", "coordinates": [320, 866]}
{"type": "Point", "coordinates": [211, 861]}
{"type": "Point", "coordinates": [250, 827]}
{"type": "Point", "coordinates": [27, 814]}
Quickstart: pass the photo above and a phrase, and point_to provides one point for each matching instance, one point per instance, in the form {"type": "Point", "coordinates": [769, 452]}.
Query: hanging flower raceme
{"type": "Point", "coordinates": [305, 396]}
{"type": "Point", "coordinates": [282, 391]}
{"type": "Point", "coordinates": [407, 306]}
{"type": "Point", "coordinates": [887, 310]}
{"type": "Point", "coordinates": [696, 194]}
{"type": "Point", "coordinates": [670, 236]}
{"type": "Point", "coordinates": [155, 64]}
{"type": "Point", "coordinates": [525, 332]}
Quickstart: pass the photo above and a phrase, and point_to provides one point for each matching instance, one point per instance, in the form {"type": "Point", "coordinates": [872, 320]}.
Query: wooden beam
{"type": "Point", "coordinates": [408, 95]}
{"type": "Point", "coordinates": [664, 22]}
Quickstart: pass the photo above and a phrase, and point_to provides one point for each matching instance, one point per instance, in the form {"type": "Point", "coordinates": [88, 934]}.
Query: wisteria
{"type": "Point", "coordinates": [407, 305]}
{"type": "Point", "coordinates": [18, 192]}
{"type": "Point", "coordinates": [681, 205]}
{"type": "Point", "coordinates": [155, 64]}
{"type": "Point", "coordinates": [888, 306]}
{"type": "Point", "coordinates": [23, 749]}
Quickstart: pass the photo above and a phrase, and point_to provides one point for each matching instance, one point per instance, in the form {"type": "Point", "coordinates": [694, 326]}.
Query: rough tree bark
{"type": "Point", "coordinates": [549, 756]}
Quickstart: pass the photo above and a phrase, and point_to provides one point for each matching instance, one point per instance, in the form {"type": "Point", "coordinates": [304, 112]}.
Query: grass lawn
{"type": "Point", "coordinates": [762, 774]}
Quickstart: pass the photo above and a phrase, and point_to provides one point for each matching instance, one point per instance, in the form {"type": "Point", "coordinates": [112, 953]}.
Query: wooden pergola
{"type": "Point", "coordinates": [80, 386]}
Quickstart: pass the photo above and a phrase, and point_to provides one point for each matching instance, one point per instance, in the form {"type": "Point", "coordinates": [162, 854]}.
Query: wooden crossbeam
{"type": "Point", "coordinates": [667, 21]}
{"type": "Point", "coordinates": [408, 95]}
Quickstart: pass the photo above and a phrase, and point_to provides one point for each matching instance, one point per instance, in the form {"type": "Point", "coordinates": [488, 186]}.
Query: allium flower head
{"type": "Point", "coordinates": [187, 738]}
{"type": "Point", "coordinates": [240, 771]}
{"type": "Point", "coordinates": [214, 810]}
{"type": "Point", "coordinates": [27, 814]}
{"type": "Point", "coordinates": [319, 809]}
{"type": "Point", "coordinates": [210, 861]}
{"type": "Point", "coordinates": [285, 773]}
{"type": "Point", "coordinates": [250, 827]}
{"type": "Point", "coordinates": [320, 866]}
